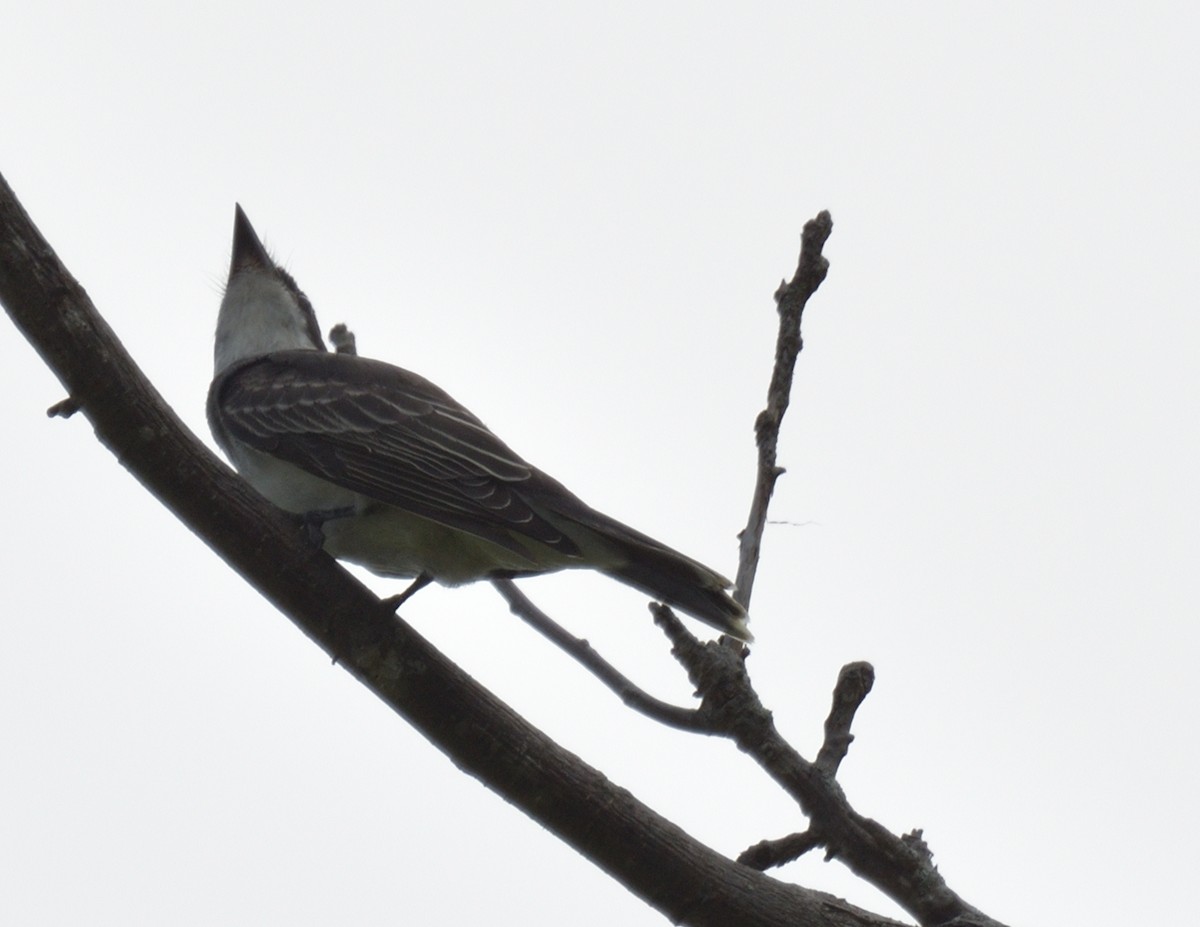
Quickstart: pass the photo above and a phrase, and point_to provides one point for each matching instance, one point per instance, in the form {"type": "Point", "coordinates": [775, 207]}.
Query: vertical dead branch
{"type": "Point", "coordinates": [790, 299]}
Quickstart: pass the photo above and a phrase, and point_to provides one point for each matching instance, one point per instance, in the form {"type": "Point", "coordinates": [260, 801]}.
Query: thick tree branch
{"type": "Point", "coordinates": [679, 876]}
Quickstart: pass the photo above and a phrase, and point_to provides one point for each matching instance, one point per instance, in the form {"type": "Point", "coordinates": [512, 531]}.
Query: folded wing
{"type": "Point", "coordinates": [389, 434]}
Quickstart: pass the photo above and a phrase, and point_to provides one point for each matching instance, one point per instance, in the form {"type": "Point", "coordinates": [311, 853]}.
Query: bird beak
{"type": "Point", "coordinates": [248, 251]}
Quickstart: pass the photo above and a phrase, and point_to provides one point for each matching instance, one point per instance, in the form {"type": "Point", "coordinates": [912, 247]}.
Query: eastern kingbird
{"type": "Point", "coordinates": [398, 476]}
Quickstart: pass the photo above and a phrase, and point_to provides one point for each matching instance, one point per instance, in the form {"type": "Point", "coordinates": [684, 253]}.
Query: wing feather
{"type": "Point", "coordinates": [390, 435]}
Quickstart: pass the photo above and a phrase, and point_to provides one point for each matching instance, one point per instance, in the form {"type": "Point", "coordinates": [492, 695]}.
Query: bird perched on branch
{"type": "Point", "coordinates": [397, 475]}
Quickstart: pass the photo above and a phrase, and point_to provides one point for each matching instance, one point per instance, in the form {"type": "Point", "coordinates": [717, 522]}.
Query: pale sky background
{"type": "Point", "coordinates": [573, 217]}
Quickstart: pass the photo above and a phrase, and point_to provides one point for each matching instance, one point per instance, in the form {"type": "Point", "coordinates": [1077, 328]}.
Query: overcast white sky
{"type": "Point", "coordinates": [573, 218]}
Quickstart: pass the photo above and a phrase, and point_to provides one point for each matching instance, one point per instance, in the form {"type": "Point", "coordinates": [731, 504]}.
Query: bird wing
{"type": "Point", "coordinates": [388, 434]}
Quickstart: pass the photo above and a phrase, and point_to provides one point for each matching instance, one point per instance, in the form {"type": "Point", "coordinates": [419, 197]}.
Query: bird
{"type": "Point", "coordinates": [397, 476]}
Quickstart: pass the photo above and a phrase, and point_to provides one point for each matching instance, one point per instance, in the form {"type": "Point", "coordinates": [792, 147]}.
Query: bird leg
{"type": "Point", "coordinates": [393, 602]}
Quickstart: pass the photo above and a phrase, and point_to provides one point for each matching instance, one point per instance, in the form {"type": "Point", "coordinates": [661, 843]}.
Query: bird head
{"type": "Point", "coordinates": [263, 310]}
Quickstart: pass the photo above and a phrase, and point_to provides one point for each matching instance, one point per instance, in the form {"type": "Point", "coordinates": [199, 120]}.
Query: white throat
{"type": "Point", "coordinates": [258, 315]}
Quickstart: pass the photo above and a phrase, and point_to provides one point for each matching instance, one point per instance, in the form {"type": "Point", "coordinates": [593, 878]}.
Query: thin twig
{"type": "Point", "coordinates": [790, 300]}
{"type": "Point", "coordinates": [767, 854]}
{"type": "Point", "coordinates": [853, 684]}
{"type": "Point", "coordinates": [686, 719]}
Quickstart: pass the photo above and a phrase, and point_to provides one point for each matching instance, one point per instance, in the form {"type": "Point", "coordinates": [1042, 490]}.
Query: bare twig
{"type": "Point", "coordinates": [790, 300]}
{"type": "Point", "coordinates": [853, 684]}
{"type": "Point", "coordinates": [687, 719]}
{"type": "Point", "coordinates": [770, 853]}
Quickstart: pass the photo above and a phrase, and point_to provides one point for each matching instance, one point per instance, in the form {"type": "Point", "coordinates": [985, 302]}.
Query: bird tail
{"type": "Point", "coordinates": [679, 581]}
{"type": "Point", "coordinates": [638, 560]}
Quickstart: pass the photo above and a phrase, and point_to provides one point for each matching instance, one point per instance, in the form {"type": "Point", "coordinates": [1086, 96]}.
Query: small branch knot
{"type": "Point", "coordinates": [915, 841]}
{"type": "Point", "coordinates": [728, 703]}
{"type": "Point", "coordinates": [64, 408]}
